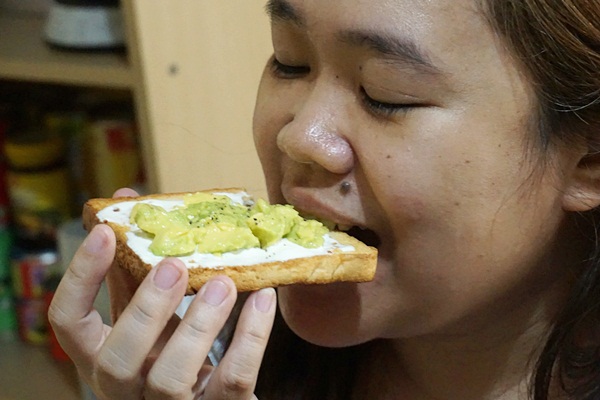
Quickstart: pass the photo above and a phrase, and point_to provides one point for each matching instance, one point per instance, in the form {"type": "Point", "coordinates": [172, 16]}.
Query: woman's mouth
{"type": "Point", "coordinates": [365, 235]}
{"type": "Point", "coordinates": [312, 206]}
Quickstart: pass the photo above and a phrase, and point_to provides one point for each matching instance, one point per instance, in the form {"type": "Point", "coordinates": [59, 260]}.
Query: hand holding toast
{"type": "Point", "coordinates": [148, 353]}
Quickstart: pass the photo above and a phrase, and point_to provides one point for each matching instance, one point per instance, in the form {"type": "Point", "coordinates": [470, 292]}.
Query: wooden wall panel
{"type": "Point", "coordinates": [197, 65]}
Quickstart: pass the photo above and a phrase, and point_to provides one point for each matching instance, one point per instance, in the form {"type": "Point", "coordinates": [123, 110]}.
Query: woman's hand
{"type": "Point", "coordinates": [148, 353]}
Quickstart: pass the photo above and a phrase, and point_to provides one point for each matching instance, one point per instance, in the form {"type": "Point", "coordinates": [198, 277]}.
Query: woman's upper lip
{"type": "Point", "coordinates": [307, 201]}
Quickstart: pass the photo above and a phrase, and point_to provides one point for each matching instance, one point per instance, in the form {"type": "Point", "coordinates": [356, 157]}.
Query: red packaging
{"type": "Point", "coordinates": [56, 351]}
{"type": "Point", "coordinates": [32, 321]}
{"type": "Point", "coordinates": [30, 271]}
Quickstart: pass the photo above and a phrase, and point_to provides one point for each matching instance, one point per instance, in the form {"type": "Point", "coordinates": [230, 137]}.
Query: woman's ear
{"type": "Point", "coordinates": [583, 190]}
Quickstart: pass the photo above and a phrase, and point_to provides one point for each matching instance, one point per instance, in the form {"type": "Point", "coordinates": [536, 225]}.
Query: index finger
{"type": "Point", "coordinates": [78, 327]}
{"type": "Point", "coordinates": [235, 376]}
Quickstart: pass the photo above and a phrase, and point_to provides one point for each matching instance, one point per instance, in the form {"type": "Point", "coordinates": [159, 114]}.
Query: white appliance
{"type": "Point", "coordinates": [85, 25]}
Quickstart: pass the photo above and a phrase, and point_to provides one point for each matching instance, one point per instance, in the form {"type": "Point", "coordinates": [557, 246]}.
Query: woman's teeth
{"type": "Point", "coordinates": [343, 228]}
{"type": "Point", "coordinates": [365, 235]}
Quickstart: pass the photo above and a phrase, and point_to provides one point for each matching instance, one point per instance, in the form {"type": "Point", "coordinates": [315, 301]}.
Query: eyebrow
{"type": "Point", "coordinates": [283, 11]}
{"type": "Point", "coordinates": [397, 50]}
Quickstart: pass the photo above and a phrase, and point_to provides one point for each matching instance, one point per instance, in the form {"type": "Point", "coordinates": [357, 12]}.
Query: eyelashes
{"type": "Point", "coordinates": [384, 108]}
{"type": "Point", "coordinates": [286, 71]}
{"type": "Point", "coordinates": [373, 106]}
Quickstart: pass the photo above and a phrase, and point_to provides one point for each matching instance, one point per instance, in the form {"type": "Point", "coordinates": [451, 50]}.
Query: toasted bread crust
{"type": "Point", "coordinates": [356, 266]}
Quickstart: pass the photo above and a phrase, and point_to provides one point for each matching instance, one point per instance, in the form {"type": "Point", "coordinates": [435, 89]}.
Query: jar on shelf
{"type": "Point", "coordinates": [114, 147]}
{"type": "Point", "coordinates": [32, 271]}
{"type": "Point", "coordinates": [71, 126]}
{"type": "Point", "coordinates": [39, 186]}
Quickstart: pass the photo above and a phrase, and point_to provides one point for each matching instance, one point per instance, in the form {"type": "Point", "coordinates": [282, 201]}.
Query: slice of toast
{"type": "Point", "coordinates": [342, 258]}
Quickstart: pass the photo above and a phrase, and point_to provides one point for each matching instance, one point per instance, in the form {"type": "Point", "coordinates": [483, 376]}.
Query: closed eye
{"type": "Point", "coordinates": [285, 71]}
{"type": "Point", "coordinates": [381, 108]}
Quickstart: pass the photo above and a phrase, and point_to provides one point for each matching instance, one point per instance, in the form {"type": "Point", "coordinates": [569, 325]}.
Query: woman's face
{"type": "Point", "coordinates": [417, 105]}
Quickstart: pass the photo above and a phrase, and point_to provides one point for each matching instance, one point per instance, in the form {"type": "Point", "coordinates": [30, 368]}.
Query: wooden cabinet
{"type": "Point", "coordinates": [197, 68]}
{"type": "Point", "coordinates": [25, 57]}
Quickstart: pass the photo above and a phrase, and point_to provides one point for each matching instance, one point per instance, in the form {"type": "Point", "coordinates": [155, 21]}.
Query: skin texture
{"type": "Point", "coordinates": [405, 117]}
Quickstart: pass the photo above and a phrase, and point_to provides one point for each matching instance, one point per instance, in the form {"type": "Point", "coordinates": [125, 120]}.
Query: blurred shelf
{"type": "Point", "coordinates": [30, 373]}
{"type": "Point", "coordinates": [25, 56]}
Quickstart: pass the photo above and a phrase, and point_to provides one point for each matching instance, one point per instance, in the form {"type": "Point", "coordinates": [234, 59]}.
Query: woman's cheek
{"type": "Point", "coordinates": [265, 130]}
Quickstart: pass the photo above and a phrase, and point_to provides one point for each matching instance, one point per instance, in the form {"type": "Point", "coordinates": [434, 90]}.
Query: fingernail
{"type": "Point", "coordinates": [166, 276]}
{"type": "Point", "coordinates": [214, 292]}
{"type": "Point", "coordinates": [94, 242]}
{"type": "Point", "coordinates": [263, 300]}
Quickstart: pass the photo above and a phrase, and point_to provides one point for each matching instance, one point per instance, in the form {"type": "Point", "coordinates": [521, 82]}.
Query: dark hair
{"type": "Point", "coordinates": [557, 44]}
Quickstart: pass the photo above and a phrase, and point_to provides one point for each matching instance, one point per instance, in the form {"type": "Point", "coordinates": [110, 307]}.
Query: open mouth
{"type": "Point", "coordinates": [367, 236]}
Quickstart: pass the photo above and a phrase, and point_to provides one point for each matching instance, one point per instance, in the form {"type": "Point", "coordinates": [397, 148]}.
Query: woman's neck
{"type": "Point", "coordinates": [491, 359]}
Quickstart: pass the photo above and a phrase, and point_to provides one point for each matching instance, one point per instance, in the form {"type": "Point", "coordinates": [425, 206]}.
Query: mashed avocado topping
{"type": "Point", "coordinates": [209, 223]}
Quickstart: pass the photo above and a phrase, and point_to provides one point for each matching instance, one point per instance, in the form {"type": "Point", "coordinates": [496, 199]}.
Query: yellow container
{"type": "Point", "coordinates": [115, 155]}
{"type": "Point", "coordinates": [39, 202]}
{"type": "Point", "coordinates": [30, 152]}
{"type": "Point", "coordinates": [39, 187]}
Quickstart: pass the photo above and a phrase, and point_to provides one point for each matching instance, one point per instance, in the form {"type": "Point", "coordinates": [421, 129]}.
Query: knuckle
{"type": "Point", "coordinates": [254, 339]}
{"type": "Point", "coordinates": [258, 336]}
{"type": "Point", "coordinates": [73, 272]}
{"type": "Point", "coordinates": [73, 276]}
{"type": "Point", "coordinates": [166, 387]}
{"type": "Point", "coordinates": [111, 366]}
{"type": "Point", "coordinates": [142, 315]}
{"type": "Point", "coordinates": [57, 317]}
{"type": "Point", "coordinates": [238, 378]}
{"type": "Point", "coordinates": [196, 329]}
{"type": "Point", "coordinates": [166, 381]}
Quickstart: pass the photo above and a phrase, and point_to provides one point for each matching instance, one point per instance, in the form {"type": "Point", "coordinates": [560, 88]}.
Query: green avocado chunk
{"type": "Point", "coordinates": [215, 224]}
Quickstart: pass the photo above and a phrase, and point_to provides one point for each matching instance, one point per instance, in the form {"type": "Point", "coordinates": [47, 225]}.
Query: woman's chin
{"type": "Point", "coordinates": [325, 315]}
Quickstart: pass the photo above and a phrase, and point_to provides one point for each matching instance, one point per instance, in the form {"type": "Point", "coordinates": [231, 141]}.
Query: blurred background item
{"type": "Point", "coordinates": [31, 269]}
{"type": "Point", "coordinates": [29, 6]}
{"type": "Point", "coordinates": [115, 157]}
{"type": "Point", "coordinates": [85, 25]}
{"type": "Point", "coordinates": [38, 182]}
{"type": "Point", "coordinates": [59, 147]}
{"type": "Point", "coordinates": [8, 318]}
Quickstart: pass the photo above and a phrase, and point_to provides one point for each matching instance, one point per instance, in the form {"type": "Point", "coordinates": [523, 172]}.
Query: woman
{"type": "Point", "coordinates": [460, 136]}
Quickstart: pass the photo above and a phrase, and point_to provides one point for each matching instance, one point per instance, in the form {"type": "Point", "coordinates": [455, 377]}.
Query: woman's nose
{"type": "Point", "coordinates": [315, 136]}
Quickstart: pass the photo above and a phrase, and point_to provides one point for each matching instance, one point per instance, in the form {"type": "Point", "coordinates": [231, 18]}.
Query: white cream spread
{"type": "Point", "coordinates": [283, 250]}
